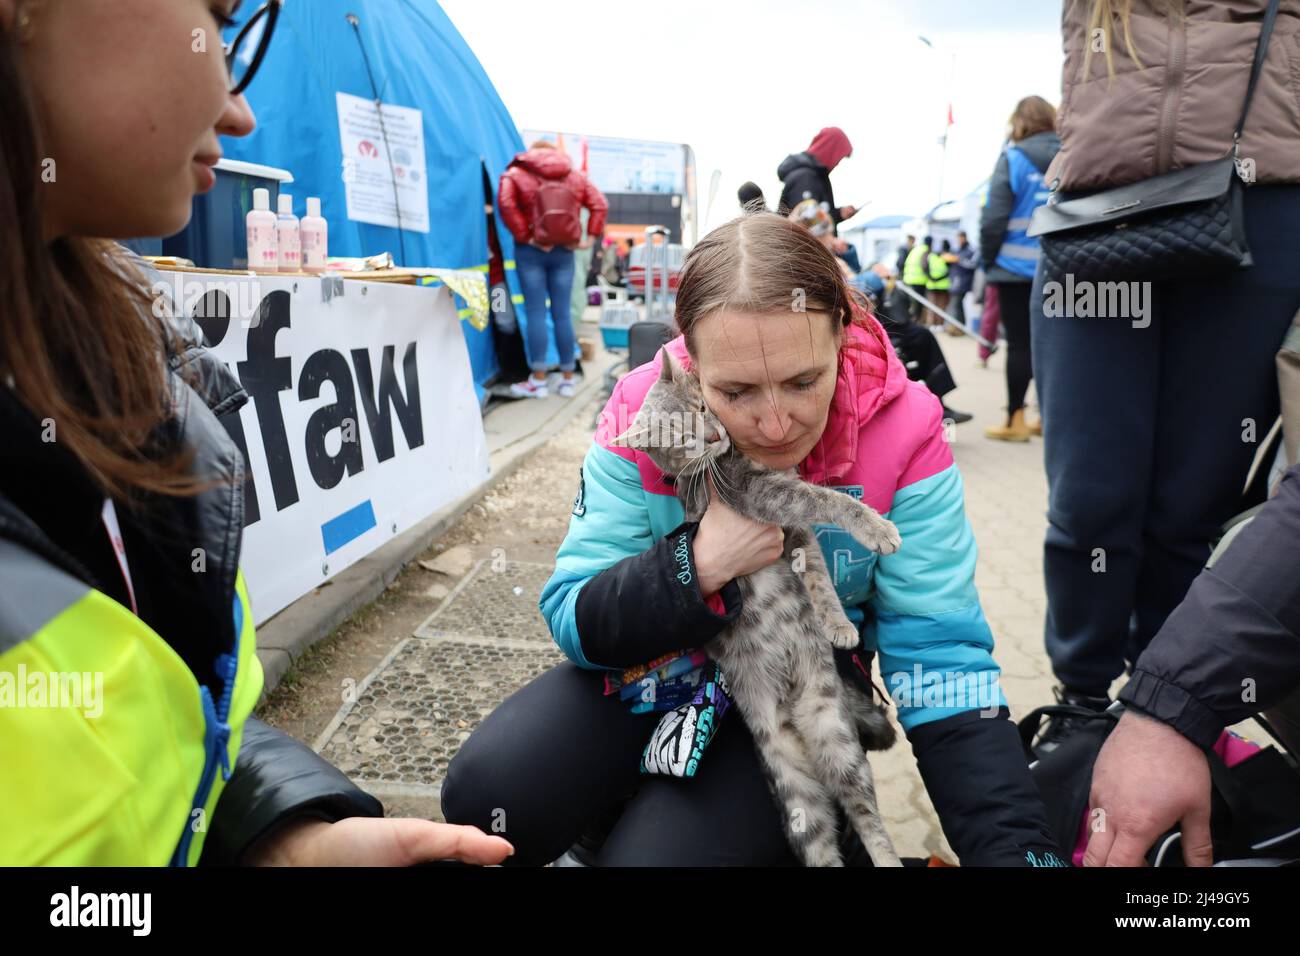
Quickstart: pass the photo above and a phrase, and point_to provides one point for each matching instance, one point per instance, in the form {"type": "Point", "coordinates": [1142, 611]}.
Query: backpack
{"type": "Point", "coordinates": [1254, 795]}
{"type": "Point", "coordinates": [557, 215]}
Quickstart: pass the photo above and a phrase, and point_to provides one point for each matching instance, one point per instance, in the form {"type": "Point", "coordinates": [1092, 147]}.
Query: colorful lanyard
{"type": "Point", "coordinates": [119, 549]}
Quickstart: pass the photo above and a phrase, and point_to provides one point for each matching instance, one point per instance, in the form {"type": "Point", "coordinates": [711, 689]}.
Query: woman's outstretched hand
{"type": "Point", "coordinates": [728, 545]}
{"type": "Point", "coordinates": [375, 841]}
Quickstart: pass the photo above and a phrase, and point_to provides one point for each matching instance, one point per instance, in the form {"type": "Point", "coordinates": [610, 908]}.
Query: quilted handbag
{"type": "Point", "coordinates": [1185, 222]}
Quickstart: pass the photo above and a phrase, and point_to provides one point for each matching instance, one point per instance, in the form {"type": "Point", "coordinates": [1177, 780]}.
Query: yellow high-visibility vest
{"type": "Point", "coordinates": [111, 752]}
{"type": "Point", "coordinates": [914, 266]}
{"type": "Point", "coordinates": [938, 280]}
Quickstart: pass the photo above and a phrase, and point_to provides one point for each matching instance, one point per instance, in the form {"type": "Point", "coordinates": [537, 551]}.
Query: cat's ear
{"type": "Point", "coordinates": [669, 368]}
{"type": "Point", "coordinates": [637, 435]}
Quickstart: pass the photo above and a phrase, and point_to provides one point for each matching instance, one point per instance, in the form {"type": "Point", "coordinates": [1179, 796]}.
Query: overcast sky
{"type": "Point", "coordinates": [746, 83]}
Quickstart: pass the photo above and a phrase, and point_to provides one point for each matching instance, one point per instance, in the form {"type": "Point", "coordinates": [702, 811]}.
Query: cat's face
{"type": "Point", "coordinates": [674, 425]}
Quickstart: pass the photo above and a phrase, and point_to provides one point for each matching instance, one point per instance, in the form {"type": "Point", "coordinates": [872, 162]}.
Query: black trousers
{"type": "Point", "coordinates": [1151, 425]}
{"type": "Point", "coordinates": [957, 306]}
{"type": "Point", "coordinates": [558, 756]}
{"type": "Point", "coordinates": [914, 308]}
{"type": "Point", "coordinates": [1013, 297]}
{"type": "Point", "coordinates": [919, 345]}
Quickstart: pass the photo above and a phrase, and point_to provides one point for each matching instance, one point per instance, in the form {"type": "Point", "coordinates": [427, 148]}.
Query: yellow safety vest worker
{"type": "Point", "coordinates": [112, 752]}
{"type": "Point", "coordinates": [937, 280]}
{"type": "Point", "coordinates": [914, 266]}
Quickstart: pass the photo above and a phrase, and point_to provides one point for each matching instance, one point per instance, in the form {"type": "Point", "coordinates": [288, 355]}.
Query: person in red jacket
{"type": "Point", "coordinates": [541, 197]}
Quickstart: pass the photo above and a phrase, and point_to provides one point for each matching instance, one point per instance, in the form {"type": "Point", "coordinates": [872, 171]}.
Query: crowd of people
{"type": "Point", "coordinates": [1143, 431]}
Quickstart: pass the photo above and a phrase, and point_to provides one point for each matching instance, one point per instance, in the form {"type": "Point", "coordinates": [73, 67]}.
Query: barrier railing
{"type": "Point", "coordinates": [906, 290]}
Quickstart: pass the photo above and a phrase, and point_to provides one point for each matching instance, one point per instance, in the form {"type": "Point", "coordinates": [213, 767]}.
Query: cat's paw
{"type": "Point", "coordinates": [844, 636]}
{"type": "Point", "coordinates": [878, 534]}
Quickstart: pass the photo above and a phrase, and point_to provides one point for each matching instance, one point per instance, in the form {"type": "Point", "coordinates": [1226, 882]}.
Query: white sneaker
{"type": "Point", "coordinates": [528, 388]}
{"type": "Point", "coordinates": [566, 388]}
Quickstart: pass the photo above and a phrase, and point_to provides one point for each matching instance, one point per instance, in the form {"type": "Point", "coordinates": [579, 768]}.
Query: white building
{"type": "Point", "coordinates": [877, 240]}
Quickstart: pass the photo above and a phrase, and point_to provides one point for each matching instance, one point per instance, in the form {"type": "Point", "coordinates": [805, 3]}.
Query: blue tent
{"type": "Point", "coordinates": [414, 57]}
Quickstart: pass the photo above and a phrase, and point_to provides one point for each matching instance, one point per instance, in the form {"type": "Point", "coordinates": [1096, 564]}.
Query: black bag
{"type": "Point", "coordinates": [1186, 222]}
{"type": "Point", "coordinates": [645, 339]}
{"type": "Point", "coordinates": [1254, 805]}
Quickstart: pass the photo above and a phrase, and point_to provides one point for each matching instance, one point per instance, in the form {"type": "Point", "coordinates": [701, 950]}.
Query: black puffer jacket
{"type": "Point", "coordinates": [50, 507]}
{"type": "Point", "coordinates": [803, 177]}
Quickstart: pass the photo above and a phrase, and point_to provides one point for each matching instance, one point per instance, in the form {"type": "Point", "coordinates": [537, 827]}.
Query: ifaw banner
{"type": "Point", "coordinates": [362, 419]}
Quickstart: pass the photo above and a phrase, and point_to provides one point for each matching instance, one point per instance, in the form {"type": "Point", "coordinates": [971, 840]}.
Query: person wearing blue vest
{"type": "Point", "coordinates": [1009, 255]}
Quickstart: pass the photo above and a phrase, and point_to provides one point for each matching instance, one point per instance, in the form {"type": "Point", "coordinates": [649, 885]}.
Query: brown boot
{"type": "Point", "coordinates": [1036, 428]}
{"type": "Point", "coordinates": [1014, 430]}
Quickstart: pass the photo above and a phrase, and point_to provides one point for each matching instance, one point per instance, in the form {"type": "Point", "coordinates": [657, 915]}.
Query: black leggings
{"type": "Point", "coordinates": [918, 344]}
{"type": "Point", "coordinates": [1013, 298]}
{"type": "Point", "coordinates": [558, 756]}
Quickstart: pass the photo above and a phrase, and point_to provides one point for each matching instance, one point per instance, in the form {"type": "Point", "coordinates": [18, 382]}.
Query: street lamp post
{"type": "Point", "coordinates": [943, 140]}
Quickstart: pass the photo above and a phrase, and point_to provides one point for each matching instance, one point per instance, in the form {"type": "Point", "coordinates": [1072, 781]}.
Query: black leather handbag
{"type": "Point", "coordinates": [1186, 222]}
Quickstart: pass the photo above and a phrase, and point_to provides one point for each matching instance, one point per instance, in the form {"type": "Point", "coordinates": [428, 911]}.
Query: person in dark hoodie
{"type": "Point", "coordinates": [807, 175]}
{"type": "Point", "coordinates": [1009, 255]}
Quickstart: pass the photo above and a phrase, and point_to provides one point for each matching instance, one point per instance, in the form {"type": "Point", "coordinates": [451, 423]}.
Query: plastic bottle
{"type": "Point", "coordinates": [315, 238]}
{"type": "Point", "coordinates": [287, 238]}
{"type": "Point", "coordinates": [263, 251]}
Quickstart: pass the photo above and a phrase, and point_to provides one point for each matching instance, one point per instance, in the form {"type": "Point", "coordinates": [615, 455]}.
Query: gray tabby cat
{"type": "Point", "coordinates": [776, 656]}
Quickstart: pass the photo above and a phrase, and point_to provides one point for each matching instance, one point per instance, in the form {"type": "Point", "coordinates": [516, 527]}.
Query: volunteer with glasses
{"type": "Point", "coordinates": [116, 470]}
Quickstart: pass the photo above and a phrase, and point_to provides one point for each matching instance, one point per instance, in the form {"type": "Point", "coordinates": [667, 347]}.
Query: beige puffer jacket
{"type": "Point", "coordinates": [1180, 108]}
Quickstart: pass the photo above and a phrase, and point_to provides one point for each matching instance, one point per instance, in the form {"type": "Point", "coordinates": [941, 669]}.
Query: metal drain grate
{"type": "Point", "coordinates": [494, 603]}
{"type": "Point", "coordinates": [411, 715]}
{"type": "Point", "coordinates": [414, 712]}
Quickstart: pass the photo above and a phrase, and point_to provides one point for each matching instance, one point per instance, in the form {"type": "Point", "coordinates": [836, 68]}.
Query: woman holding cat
{"type": "Point", "coordinates": [800, 376]}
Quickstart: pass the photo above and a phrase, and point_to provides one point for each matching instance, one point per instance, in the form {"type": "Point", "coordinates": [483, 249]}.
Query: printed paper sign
{"type": "Point", "coordinates": [371, 168]}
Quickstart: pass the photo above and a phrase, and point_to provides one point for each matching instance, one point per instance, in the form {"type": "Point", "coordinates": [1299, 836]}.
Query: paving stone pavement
{"type": "Point", "coordinates": [396, 734]}
{"type": "Point", "coordinates": [410, 715]}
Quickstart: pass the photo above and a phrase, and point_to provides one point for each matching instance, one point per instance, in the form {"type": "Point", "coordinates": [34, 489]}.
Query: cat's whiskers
{"type": "Point", "coordinates": [720, 481]}
{"type": "Point", "coordinates": [693, 475]}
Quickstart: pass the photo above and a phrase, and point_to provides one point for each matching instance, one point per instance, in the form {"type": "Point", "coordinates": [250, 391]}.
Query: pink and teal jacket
{"type": "Point", "coordinates": [624, 590]}
{"type": "Point", "coordinates": [884, 444]}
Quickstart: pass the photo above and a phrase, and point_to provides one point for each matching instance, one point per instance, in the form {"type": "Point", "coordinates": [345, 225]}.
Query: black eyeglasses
{"type": "Point", "coordinates": [245, 52]}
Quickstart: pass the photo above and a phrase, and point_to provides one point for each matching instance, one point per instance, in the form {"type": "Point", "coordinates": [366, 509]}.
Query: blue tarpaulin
{"type": "Point", "coordinates": [418, 60]}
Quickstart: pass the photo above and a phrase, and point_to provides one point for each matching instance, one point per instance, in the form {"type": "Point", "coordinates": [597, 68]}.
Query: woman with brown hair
{"type": "Point", "coordinates": [121, 504]}
{"type": "Point", "coordinates": [1010, 256]}
{"type": "Point", "coordinates": [1156, 404]}
{"type": "Point", "coordinates": [801, 377]}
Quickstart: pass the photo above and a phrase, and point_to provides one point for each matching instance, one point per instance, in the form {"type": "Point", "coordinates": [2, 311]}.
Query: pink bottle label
{"type": "Point", "coordinates": [313, 249]}
{"type": "Point", "coordinates": [262, 252]}
{"type": "Point", "coordinates": [287, 236]}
